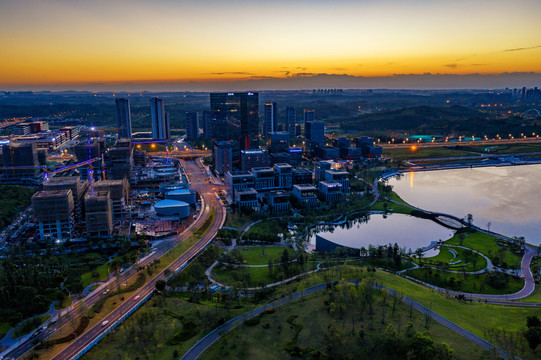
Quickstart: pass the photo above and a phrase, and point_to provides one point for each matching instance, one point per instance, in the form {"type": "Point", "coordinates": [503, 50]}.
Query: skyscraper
{"type": "Point", "coordinates": [309, 115]}
{"type": "Point", "coordinates": [235, 116]}
{"type": "Point", "coordinates": [159, 119]}
{"type": "Point", "coordinates": [271, 120]}
{"type": "Point", "coordinates": [315, 132]}
{"type": "Point", "coordinates": [207, 124]}
{"type": "Point", "coordinates": [123, 118]}
{"type": "Point", "coordinates": [192, 125]}
{"type": "Point", "coordinates": [291, 119]}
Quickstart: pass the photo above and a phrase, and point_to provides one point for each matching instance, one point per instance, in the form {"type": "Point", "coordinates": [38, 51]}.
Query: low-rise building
{"type": "Point", "coordinates": [302, 176]}
{"type": "Point", "coordinates": [247, 199]}
{"type": "Point", "coordinates": [326, 152]}
{"type": "Point", "coordinates": [339, 176]}
{"type": "Point", "coordinates": [284, 176]}
{"type": "Point", "coordinates": [320, 168]}
{"type": "Point", "coordinates": [306, 195]}
{"type": "Point", "coordinates": [238, 181]}
{"type": "Point", "coordinates": [278, 201]}
{"type": "Point", "coordinates": [253, 158]}
{"type": "Point", "coordinates": [330, 191]}
{"type": "Point", "coordinates": [263, 178]}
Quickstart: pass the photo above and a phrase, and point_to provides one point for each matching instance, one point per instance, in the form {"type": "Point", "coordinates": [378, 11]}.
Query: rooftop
{"type": "Point", "coordinates": [304, 187]}
{"type": "Point", "coordinates": [52, 193]}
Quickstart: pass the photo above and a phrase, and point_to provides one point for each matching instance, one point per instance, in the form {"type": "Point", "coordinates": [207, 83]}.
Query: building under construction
{"type": "Point", "coordinates": [53, 212]}
{"type": "Point", "coordinates": [98, 214]}
{"type": "Point", "coordinates": [118, 190]}
{"type": "Point", "coordinates": [21, 164]}
{"type": "Point", "coordinates": [78, 189]}
{"type": "Point", "coordinates": [119, 160]}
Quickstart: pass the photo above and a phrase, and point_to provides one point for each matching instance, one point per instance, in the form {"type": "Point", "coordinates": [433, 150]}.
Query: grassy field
{"type": "Point", "coordinates": [307, 323]}
{"type": "Point", "coordinates": [236, 220]}
{"type": "Point", "coordinates": [261, 255]}
{"type": "Point", "coordinates": [467, 283]}
{"type": "Point", "coordinates": [102, 271]}
{"type": "Point", "coordinates": [479, 318]}
{"type": "Point", "coordinates": [488, 245]}
{"type": "Point", "coordinates": [422, 153]}
{"type": "Point", "coordinates": [266, 227]}
{"type": "Point", "coordinates": [253, 276]}
{"type": "Point", "coordinates": [385, 205]}
{"type": "Point", "coordinates": [465, 260]}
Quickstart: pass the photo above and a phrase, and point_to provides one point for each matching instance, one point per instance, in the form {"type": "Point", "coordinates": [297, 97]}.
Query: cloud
{"type": "Point", "coordinates": [304, 74]}
{"type": "Point", "coordinates": [522, 48]}
{"type": "Point", "coordinates": [451, 66]}
{"type": "Point", "coordinates": [231, 73]}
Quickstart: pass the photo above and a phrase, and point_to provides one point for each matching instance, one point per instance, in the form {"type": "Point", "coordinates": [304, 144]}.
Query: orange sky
{"type": "Point", "coordinates": [76, 41]}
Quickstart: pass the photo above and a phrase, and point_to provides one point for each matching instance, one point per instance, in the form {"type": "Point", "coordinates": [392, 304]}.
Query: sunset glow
{"type": "Point", "coordinates": [73, 41]}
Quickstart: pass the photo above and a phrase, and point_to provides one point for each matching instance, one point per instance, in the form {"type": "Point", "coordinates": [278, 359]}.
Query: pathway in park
{"type": "Point", "coordinates": [198, 349]}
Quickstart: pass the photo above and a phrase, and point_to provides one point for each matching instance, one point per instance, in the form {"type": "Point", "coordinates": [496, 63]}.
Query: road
{"type": "Point", "coordinates": [209, 201]}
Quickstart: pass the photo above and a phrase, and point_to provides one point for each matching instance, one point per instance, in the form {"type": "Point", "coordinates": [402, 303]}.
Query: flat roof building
{"type": "Point", "coordinates": [98, 214]}
{"type": "Point", "coordinates": [53, 212]}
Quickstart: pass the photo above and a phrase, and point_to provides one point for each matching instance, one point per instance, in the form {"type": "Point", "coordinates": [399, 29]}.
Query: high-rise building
{"type": "Point", "coordinates": [235, 116]}
{"type": "Point", "coordinates": [291, 120]}
{"type": "Point", "coordinates": [279, 142]}
{"type": "Point", "coordinates": [123, 118]}
{"type": "Point", "coordinates": [271, 120]}
{"type": "Point", "coordinates": [253, 158]}
{"type": "Point", "coordinates": [192, 125]}
{"type": "Point", "coordinates": [309, 115]}
{"type": "Point", "coordinates": [159, 119]}
{"type": "Point", "coordinates": [207, 124]}
{"type": "Point", "coordinates": [315, 132]}
{"type": "Point", "coordinates": [223, 157]}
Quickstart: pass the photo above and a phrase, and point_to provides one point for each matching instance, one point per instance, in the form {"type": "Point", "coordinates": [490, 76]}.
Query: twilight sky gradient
{"type": "Point", "coordinates": [117, 41]}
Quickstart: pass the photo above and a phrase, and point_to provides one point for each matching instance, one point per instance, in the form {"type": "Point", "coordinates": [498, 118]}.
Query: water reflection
{"type": "Point", "coordinates": [407, 231]}
{"type": "Point", "coordinates": [509, 197]}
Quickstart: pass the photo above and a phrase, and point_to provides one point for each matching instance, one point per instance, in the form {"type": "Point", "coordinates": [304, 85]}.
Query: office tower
{"type": "Point", "coordinates": [315, 132]}
{"type": "Point", "coordinates": [291, 120]}
{"type": "Point", "coordinates": [167, 126]}
{"type": "Point", "coordinates": [235, 116]}
{"type": "Point", "coordinates": [159, 119]}
{"type": "Point", "coordinates": [123, 118]}
{"type": "Point", "coordinates": [253, 158]}
{"type": "Point", "coordinates": [192, 125]}
{"type": "Point", "coordinates": [207, 124]}
{"type": "Point", "coordinates": [223, 156]}
{"type": "Point", "coordinates": [279, 142]}
{"type": "Point", "coordinates": [271, 120]}
{"type": "Point", "coordinates": [309, 115]}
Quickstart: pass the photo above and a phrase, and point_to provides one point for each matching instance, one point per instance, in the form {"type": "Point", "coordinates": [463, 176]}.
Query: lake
{"type": "Point", "coordinates": [509, 197]}
{"type": "Point", "coordinates": [407, 231]}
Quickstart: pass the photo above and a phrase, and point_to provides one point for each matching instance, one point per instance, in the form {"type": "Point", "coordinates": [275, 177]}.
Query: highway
{"type": "Point", "coordinates": [464, 142]}
{"type": "Point", "coordinates": [207, 190]}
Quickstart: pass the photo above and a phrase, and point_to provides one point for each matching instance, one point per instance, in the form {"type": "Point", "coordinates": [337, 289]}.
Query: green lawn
{"type": "Point", "coordinates": [466, 282]}
{"type": "Point", "coordinates": [506, 149]}
{"type": "Point", "coordinates": [236, 220]}
{"type": "Point", "coordinates": [253, 276]}
{"type": "Point", "coordinates": [102, 271]}
{"type": "Point", "coordinates": [494, 248]}
{"type": "Point", "coordinates": [260, 255]}
{"type": "Point", "coordinates": [469, 261]}
{"type": "Point", "coordinates": [422, 153]}
{"type": "Point", "coordinates": [267, 227]}
{"type": "Point", "coordinates": [305, 323]}
{"type": "Point", "coordinates": [390, 206]}
{"type": "Point", "coordinates": [475, 317]}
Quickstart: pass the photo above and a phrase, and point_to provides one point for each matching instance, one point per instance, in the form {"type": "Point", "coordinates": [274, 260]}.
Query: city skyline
{"type": "Point", "coordinates": [208, 45]}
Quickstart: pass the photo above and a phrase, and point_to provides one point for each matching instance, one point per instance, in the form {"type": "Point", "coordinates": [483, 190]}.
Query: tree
{"type": "Point", "coordinates": [469, 220]}
{"type": "Point", "coordinates": [533, 332]}
{"type": "Point", "coordinates": [160, 285]}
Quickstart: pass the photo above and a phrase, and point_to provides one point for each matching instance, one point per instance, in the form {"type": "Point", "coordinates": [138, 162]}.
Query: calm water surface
{"type": "Point", "coordinates": [508, 197]}
{"type": "Point", "coordinates": [407, 231]}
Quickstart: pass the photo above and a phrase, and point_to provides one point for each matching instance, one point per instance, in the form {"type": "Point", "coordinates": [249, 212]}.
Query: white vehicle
{"type": "Point", "coordinates": [104, 323]}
